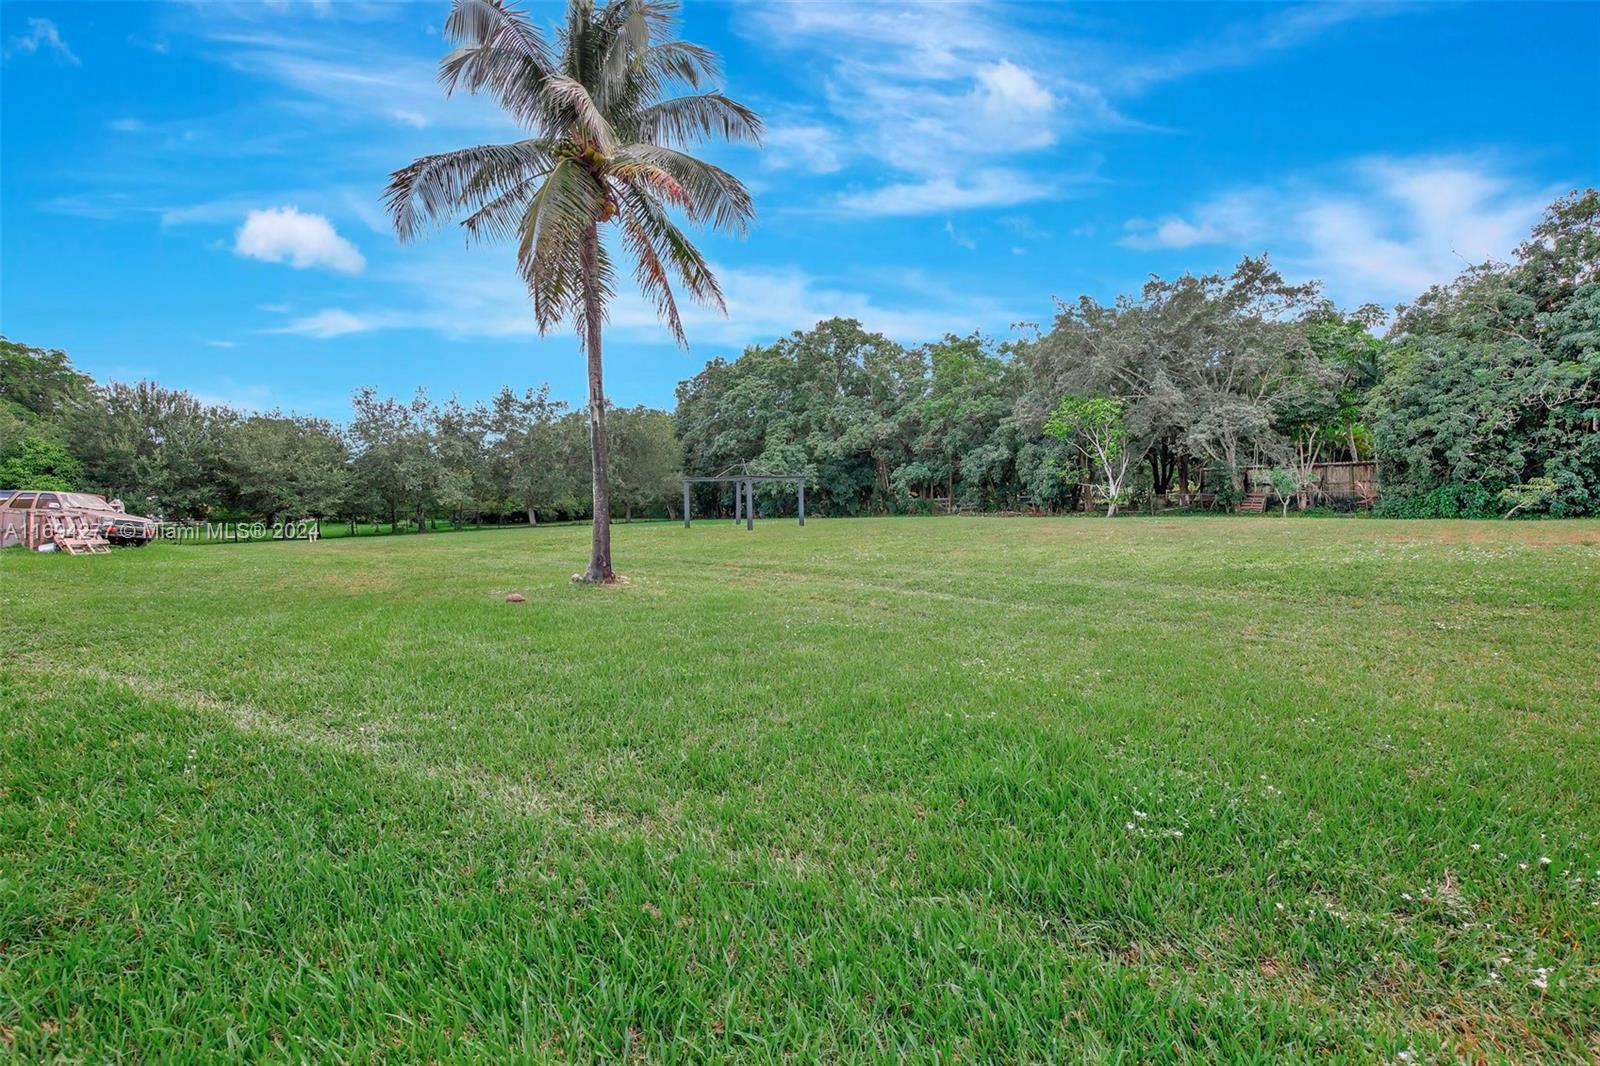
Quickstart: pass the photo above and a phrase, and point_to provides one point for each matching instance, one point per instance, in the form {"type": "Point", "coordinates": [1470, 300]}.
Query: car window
{"type": "Point", "coordinates": [23, 501]}
{"type": "Point", "coordinates": [48, 499]}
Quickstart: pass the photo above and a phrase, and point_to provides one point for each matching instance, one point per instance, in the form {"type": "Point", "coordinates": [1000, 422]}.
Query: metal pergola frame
{"type": "Point", "coordinates": [744, 494]}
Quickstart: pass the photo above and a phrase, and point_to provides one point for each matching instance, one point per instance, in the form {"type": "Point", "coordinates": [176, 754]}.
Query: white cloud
{"type": "Point", "coordinates": [341, 76]}
{"type": "Point", "coordinates": [983, 188]}
{"type": "Point", "coordinates": [913, 86]}
{"type": "Point", "coordinates": [284, 234]}
{"type": "Point", "coordinates": [1024, 227]}
{"type": "Point", "coordinates": [1121, 72]}
{"type": "Point", "coordinates": [415, 119]}
{"type": "Point", "coordinates": [959, 239]}
{"type": "Point", "coordinates": [125, 125]}
{"type": "Point", "coordinates": [42, 35]}
{"type": "Point", "coordinates": [481, 297]}
{"type": "Point", "coordinates": [807, 146]}
{"type": "Point", "coordinates": [1230, 219]}
{"type": "Point", "coordinates": [334, 322]}
{"type": "Point", "coordinates": [1380, 229]}
{"type": "Point", "coordinates": [222, 344]}
{"type": "Point", "coordinates": [1008, 91]}
{"type": "Point", "coordinates": [913, 90]}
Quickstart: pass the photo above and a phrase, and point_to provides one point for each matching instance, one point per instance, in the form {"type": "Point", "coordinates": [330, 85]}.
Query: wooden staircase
{"type": "Point", "coordinates": [1255, 503]}
{"type": "Point", "coordinates": [74, 535]}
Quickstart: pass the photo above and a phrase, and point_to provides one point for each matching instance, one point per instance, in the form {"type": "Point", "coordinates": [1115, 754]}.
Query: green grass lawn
{"type": "Point", "coordinates": [932, 789]}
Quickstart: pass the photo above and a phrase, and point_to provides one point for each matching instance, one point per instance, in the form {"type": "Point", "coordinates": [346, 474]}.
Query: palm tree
{"type": "Point", "coordinates": [606, 145]}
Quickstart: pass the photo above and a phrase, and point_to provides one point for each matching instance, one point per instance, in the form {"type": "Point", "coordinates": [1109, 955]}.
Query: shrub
{"type": "Point", "coordinates": [1453, 499]}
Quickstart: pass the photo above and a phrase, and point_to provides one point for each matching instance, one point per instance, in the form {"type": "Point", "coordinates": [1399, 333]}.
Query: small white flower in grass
{"type": "Point", "coordinates": [1177, 834]}
{"type": "Point", "coordinates": [1541, 980]}
{"type": "Point", "coordinates": [1278, 905]}
{"type": "Point", "coordinates": [1140, 815]}
{"type": "Point", "coordinates": [1544, 860]}
{"type": "Point", "coordinates": [1477, 847]}
{"type": "Point", "coordinates": [1406, 896]}
{"type": "Point", "coordinates": [1128, 827]}
{"type": "Point", "coordinates": [1522, 866]}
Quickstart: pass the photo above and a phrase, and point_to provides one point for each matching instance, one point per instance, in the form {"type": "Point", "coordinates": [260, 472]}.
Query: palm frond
{"type": "Point", "coordinates": [553, 229]}
{"type": "Point", "coordinates": [649, 273]}
{"type": "Point", "coordinates": [648, 229]}
{"type": "Point", "coordinates": [501, 51]}
{"type": "Point", "coordinates": [608, 133]}
{"type": "Point", "coordinates": [715, 196]}
{"type": "Point", "coordinates": [705, 116]}
{"type": "Point", "coordinates": [655, 178]}
{"type": "Point", "coordinates": [435, 188]}
{"type": "Point", "coordinates": [681, 62]}
{"type": "Point", "coordinates": [500, 218]}
{"type": "Point", "coordinates": [630, 39]}
{"type": "Point", "coordinates": [568, 105]}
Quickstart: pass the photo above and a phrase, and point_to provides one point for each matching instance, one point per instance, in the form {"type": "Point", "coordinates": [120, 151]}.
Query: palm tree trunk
{"type": "Point", "coordinates": [600, 544]}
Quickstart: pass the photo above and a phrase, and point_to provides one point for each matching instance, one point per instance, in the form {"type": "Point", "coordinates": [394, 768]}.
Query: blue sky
{"type": "Point", "coordinates": [191, 191]}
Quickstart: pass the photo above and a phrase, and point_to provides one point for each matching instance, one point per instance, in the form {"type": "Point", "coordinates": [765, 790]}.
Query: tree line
{"type": "Point", "coordinates": [1481, 397]}
{"type": "Point", "coordinates": [397, 461]}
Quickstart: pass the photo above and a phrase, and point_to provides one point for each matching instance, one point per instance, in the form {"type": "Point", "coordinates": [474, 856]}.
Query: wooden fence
{"type": "Point", "coordinates": [1349, 482]}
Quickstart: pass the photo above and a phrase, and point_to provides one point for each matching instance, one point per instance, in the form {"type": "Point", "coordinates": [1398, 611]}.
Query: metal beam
{"type": "Point", "coordinates": [685, 505]}
{"type": "Point", "coordinates": [751, 477]}
{"type": "Point", "coordinates": [801, 482]}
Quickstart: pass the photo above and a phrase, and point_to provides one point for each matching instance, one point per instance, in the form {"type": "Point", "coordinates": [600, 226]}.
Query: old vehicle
{"type": "Point", "coordinates": [27, 516]}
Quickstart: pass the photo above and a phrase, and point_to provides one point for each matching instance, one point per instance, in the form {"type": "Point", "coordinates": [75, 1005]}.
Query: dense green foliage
{"type": "Point", "coordinates": [164, 452]}
{"type": "Point", "coordinates": [1208, 372]}
{"type": "Point", "coordinates": [1493, 381]}
{"type": "Point", "coordinates": [1480, 389]}
{"type": "Point", "coordinates": [1482, 400]}
{"type": "Point", "coordinates": [1097, 427]}
{"type": "Point", "coordinates": [867, 420]}
{"type": "Point", "coordinates": [1179, 790]}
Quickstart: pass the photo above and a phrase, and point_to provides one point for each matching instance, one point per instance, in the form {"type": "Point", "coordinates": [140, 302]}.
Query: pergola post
{"type": "Point", "coordinates": [744, 494]}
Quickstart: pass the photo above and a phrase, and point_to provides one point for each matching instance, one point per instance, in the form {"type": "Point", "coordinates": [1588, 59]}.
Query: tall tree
{"type": "Point", "coordinates": [530, 467]}
{"type": "Point", "coordinates": [1492, 382]}
{"type": "Point", "coordinates": [161, 450]}
{"type": "Point", "coordinates": [650, 458]}
{"type": "Point", "coordinates": [606, 143]}
{"type": "Point", "coordinates": [1097, 428]}
{"type": "Point", "coordinates": [466, 479]}
{"type": "Point", "coordinates": [1229, 343]}
{"type": "Point", "coordinates": [287, 466]}
{"type": "Point", "coordinates": [396, 459]}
